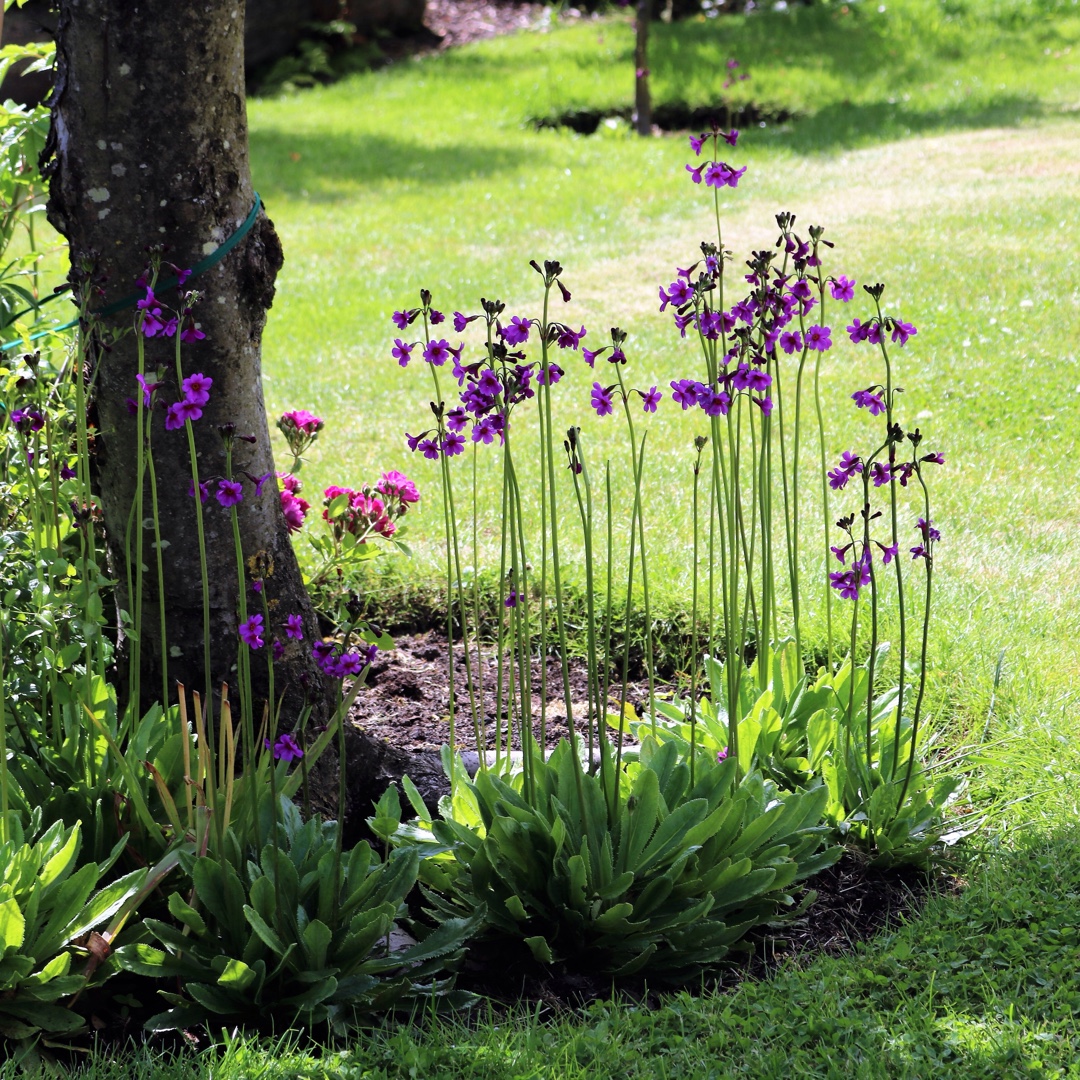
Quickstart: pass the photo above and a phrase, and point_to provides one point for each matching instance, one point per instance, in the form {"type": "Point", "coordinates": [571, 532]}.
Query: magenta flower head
{"type": "Point", "coordinates": [230, 493]}
{"type": "Point", "coordinates": [251, 631]}
{"type": "Point", "coordinates": [902, 331]}
{"type": "Point", "coordinates": [173, 420]}
{"type": "Point", "coordinates": [590, 355]}
{"type": "Point", "coordinates": [295, 510]}
{"type": "Point", "coordinates": [721, 755]}
{"type": "Point", "coordinates": [286, 748]}
{"type": "Point", "coordinates": [866, 399]}
{"type": "Point", "coordinates": [204, 490]}
{"type": "Point", "coordinates": [437, 352]}
{"type": "Point", "coordinates": [697, 142]}
{"type": "Point", "coordinates": [197, 388]}
{"type": "Point", "coordinates": [294, 627]}
{"type": "Point", "coordinates": [517, 333]}
{"type": "Point", "coordinates": [397, 485]}
{"type": "Point", "coordinates": [843, 289]}
{"type": "Point", "coordinates": [818, 338]}
{"type": "Point", "coordinates": [300, 428]}
{"type": "Point", "coordinates": [650, 400]}
{"type": "Point", "coordinates": [402, 351]}
{"type": "Point", "coordinates": [601, 400]}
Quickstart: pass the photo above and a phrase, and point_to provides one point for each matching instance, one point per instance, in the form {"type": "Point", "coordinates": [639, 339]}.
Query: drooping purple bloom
{"type": "Point", "coordinates": [881, 473]}
{"type": "Point", "coordinates": [511, 600]}
{"type": "Point", "coordinates": [286, 748]}
{"type": "Point", "coordinates": [858, 331]}
{"type": "Point", "coordinates": [695, 174]}
{"type": "Point", "coordinates": [549, 375]}
{"type": "Point", "coordinates": [204, 490]}
{"type": "Point", "coordinates": [401, 319]}
{"type": "Point", "coordinates": [590, 355]}
{"type": "Point", "coordinates": [173, 420]}
{"type": "Point", "coordinates": [601, 400]}
{"type": "Point", "coordinates": [294, 627]}
{"type": "Point", "coordinates": [402, 351]}
{"type": "Point", "coordinates": [570, 339]}
{"type": "Point", "coordinates": [697, 142]}
{"type": "Point", "coordinates": [866, 399]}
{"type": "Point", "coordinates": [902, 331]}
{"type": "Point", "coordinates": [650, 400]}
{"type": "Point", "coordinates": [436, 317]}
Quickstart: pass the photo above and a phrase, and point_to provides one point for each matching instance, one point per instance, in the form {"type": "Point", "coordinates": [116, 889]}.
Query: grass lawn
{"type": "Point", "coordinates": [939, 145]}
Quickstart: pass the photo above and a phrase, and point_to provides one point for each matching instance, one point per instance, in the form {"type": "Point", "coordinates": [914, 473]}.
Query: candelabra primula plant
{"type": "Point", "coordinates": [768, 717]}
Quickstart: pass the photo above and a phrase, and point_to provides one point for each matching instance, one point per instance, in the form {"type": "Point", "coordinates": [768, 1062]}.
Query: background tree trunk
{"type": "Point", "coordinates": [642, 98]}
{"type": "Point", "coordinates": [149, 146]}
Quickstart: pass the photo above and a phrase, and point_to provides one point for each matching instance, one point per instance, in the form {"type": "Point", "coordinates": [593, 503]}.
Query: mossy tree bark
{"type": "Point", "coordinates": [149, 146]}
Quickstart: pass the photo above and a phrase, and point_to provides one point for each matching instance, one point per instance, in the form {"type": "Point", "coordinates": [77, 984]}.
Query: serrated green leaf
{"type": "Point", "coordinates": [540, 949]}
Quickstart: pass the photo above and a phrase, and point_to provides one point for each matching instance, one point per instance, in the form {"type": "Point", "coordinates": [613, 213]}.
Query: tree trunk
{"type": "Point", "coordinates": [149, 146]}
{"type": "Point", "coordinates": [642, 99]}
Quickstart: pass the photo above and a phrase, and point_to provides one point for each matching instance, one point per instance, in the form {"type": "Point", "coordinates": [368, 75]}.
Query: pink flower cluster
{"type": "Point", "coordinates": [292, 505]}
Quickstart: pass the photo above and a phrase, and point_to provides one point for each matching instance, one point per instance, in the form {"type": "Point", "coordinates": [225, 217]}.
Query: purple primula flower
{"type": "Point", "coordinates": [173, 419]}
{"type": "Point", "coordinates": [277, 650]}
{"type": "Point", "coordinates": [601, 400]}
{"type": "Point", "coordinates": [294, 627]}
{"type": "Point", "coordinates": [843, 289]}
{"type": "Point", "coordinates": [680, 292]}
{"type": "Point", "coordinates": [457, 419]}
{"type": "Point", "coordinates": [716, 174]}
{"type": "Point", "coordinates": [840, 552]}
{"type": "Point", "coordinates": [488, 384]}
{"type": "Point", "coordinates": [927, 529]}
{"type": "Point", "coordinates": [850, 465]}
{"type": "Point", "coordinates": [549, 375]}
{"type": "Point", "coordinates": [286, 748]}
{"type": "Point", "coordinates": [875, 333]}
{"type": "Point", "coordinates": [919, 552]}
{"type": "Point", "coordinates": [190, 332]}
{"type": "Point", "coordinates": [758, 380]}
{"type": "Point", "coordinates": [590, 355]}
{"type": "Point", "coordinates": [570, 339]}
{"type": "Point", "coordinates": [650, 400]}
{"type": "Point", "coordinates": [935, 459]}
{"type": "Point", "coordinates": [69, 474]}
{"type": "Point", "coordinates": [260, 481]}
{"type": "Point", "coordinates": [187, 410]}
{"type": "Point", "coordinates": [791, 341]}
{"type": "Point", "coordinates": [229, 493]}
{"type": "Point", "coordinates": [888, 553]}
{"type": "Point", "coordinates": [714, 402]}
{"type": "Point", "coordinates": [697, 142]}
{"type": "Point", "coordinates": [414, 441]}
{"type": "Point", "coordinates": [429, 448]}
{"type": "Point", "coordinates": [511, 600]}
{"type": "Point", "coordinates": [197, 388]}
{"type": "Point", "coordinates": [461, 321]}
{"type": "Point", "coordinates": [683, 321]}
{"type": "Point", "coordinates": [437, 317]}
{"type": "Point", "coordinates": [765, 404]}
{"type": "Point", "coordinates": [881, 473]}
{"type": "Point", "coordinates": [744, 310]}
{"type": "Point", "coordinates": [453, 443]}
{"type": "Point", "coordinates": [721, 755]}
{"type": "Point", "coordinates": [800, 289]}
{"type": "Point", "coordinates": [437, 352]}
{"type": "Point", "coordinates": [257, 586]}
{"type": "Point", "coordinates": [251, 631]}
{"type": "Point", "coordinates": [684, 393]}
{"type": "Point", "coordinates": [517, 333]}
{"type": "Point", "coordinates": [617, 356]}
{"type": "Point", "coordinates": [858, 331]}
{"type": "Point", "coordinates": [204, 490]}
{"type": "Point", "coordinates": [485, 431]}
{"type": "Point", "coordinates": [402, 351]}
{"type": "Point", "coordinates": [818, 338]}
{"type": "Point", "coordinates": [865, 399]}
{"type": "Point", "coordinates": [148, 389]}
{"type": "Point", "coordinates": [902, 331]}
{"type": "Point", "coordinates": [401, 319]}
{"type": "Point", "coordinates": [732, 137]}
{"type": "Point", "coordinates": [695, 174]}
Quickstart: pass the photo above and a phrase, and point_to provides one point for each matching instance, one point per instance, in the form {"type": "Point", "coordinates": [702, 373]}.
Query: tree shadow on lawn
{"type": "Point", "coordinates": [321, 167]}
{"type": "Point", "coordinates": [844, 126]}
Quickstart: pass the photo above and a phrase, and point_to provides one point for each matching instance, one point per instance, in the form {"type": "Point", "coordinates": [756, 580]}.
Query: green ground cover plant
{"type": "Point", "coordinates": [972, 224]}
